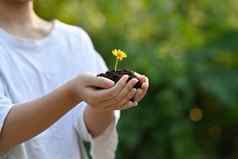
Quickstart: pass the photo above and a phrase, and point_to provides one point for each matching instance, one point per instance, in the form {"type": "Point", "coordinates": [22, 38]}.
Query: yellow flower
{"type": "Point", "coordinates": [120, 55]}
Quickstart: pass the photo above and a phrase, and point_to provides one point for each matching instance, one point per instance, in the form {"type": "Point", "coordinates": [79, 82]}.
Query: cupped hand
{"type": "Point", "coordinates": [103, 94]}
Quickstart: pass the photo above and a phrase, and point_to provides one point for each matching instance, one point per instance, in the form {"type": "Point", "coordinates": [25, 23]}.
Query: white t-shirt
{"type": "Point", "coordinates": [30, 69]}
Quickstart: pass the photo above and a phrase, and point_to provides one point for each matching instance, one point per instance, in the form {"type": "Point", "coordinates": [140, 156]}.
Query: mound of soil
{"type": "Point", "coordinates": [116, 75]}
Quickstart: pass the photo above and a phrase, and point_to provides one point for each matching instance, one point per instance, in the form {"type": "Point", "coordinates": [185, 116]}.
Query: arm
{"type": "Point", "coordinates": [42, 112]}
{"type": "Point", "coordinates": [36, 116]}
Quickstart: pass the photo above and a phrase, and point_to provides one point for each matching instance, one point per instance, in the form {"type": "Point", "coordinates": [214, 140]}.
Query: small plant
{"type": "Point", "coordinates": [116, 74]}
{"type": "Point", "coordinates": [120, 55]}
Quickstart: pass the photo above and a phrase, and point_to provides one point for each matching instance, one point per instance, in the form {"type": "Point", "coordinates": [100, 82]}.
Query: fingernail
{"type": "Point", "coordinates": [145, 85]}
{"type": "Point", "coordinates": [135, 104]}
{"type": "Point", "coordinates": [125, 76]}
{"type": "Point", "coordinates": [135, 80]}
{"type": "Point", "coordinates": [110, 83]}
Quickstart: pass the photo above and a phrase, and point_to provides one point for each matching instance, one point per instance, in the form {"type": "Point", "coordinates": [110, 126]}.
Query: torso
{"type": "Point", "coordinates": [35, 69]}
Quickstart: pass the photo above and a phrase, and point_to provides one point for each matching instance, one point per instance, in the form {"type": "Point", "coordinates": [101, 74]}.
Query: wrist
{"type": "Point", "coordinates": [96, 121]}
{"type": "Point", "coordinates": [108, 114]}
{"type": "Point", "coordinates": [73, 92]}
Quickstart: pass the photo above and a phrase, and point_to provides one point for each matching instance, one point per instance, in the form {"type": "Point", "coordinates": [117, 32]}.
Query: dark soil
{"type": "Point", "coordinates": [116, 75]}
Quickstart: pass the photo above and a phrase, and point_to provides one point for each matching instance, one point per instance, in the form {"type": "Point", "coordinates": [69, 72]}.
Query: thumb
{"type": "Point", "coordinates": [102, 82]}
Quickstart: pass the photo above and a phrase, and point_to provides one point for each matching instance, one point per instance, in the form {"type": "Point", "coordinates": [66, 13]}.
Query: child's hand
{"type": "Point", "coordinates": [112, 97]}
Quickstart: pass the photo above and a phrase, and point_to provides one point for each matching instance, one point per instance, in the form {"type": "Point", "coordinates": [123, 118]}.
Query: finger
{"type": "Point", "coordinates": [141, 77]}
{"type": "Point", "coordinates": [142, 93]}
{"type": "Point", "coordinates": [103, 82]}
{"type": "Point", "coordinates": [145, 85]}
{"type": "Point", "coordinates": [143, 90]}
{"type": "Point", "coordinates": [129, 97]}
{"type": "Point", "coordinates": [129, 105]}
{"type": "Point", "coordinates": [139, 95]}
{"type": "Point", "coordinates": [108, 94]}
{"type": "Point", "coordinates": [99, 82]}
{"type": "Point", "coordinates": [117, 104]}
{"type": "Point", "coordinates": [125, 91]}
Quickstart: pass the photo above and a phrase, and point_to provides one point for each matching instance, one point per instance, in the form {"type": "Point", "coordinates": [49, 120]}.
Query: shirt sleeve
{"type": "Point", "coordinates": [105, 145]}
{"type": "Point", "coordinates": [5, 104]}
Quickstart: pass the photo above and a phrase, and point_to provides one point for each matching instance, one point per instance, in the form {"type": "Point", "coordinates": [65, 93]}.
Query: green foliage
{"type": "Point", "coordinates": [189, 50]}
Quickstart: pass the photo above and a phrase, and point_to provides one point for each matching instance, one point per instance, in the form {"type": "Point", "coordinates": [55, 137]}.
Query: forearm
{"type": "Point", "coordinates": [97, 122]}
{"type": "Point", "coordinates": [34, 117]}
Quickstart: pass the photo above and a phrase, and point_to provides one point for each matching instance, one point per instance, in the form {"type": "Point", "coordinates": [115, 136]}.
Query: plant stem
{"type": "Point", "coordinates": [116, 64]}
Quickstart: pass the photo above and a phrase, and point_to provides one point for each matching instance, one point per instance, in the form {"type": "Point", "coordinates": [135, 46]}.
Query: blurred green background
{"type": "Point", "coordinates": [189, 50]}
